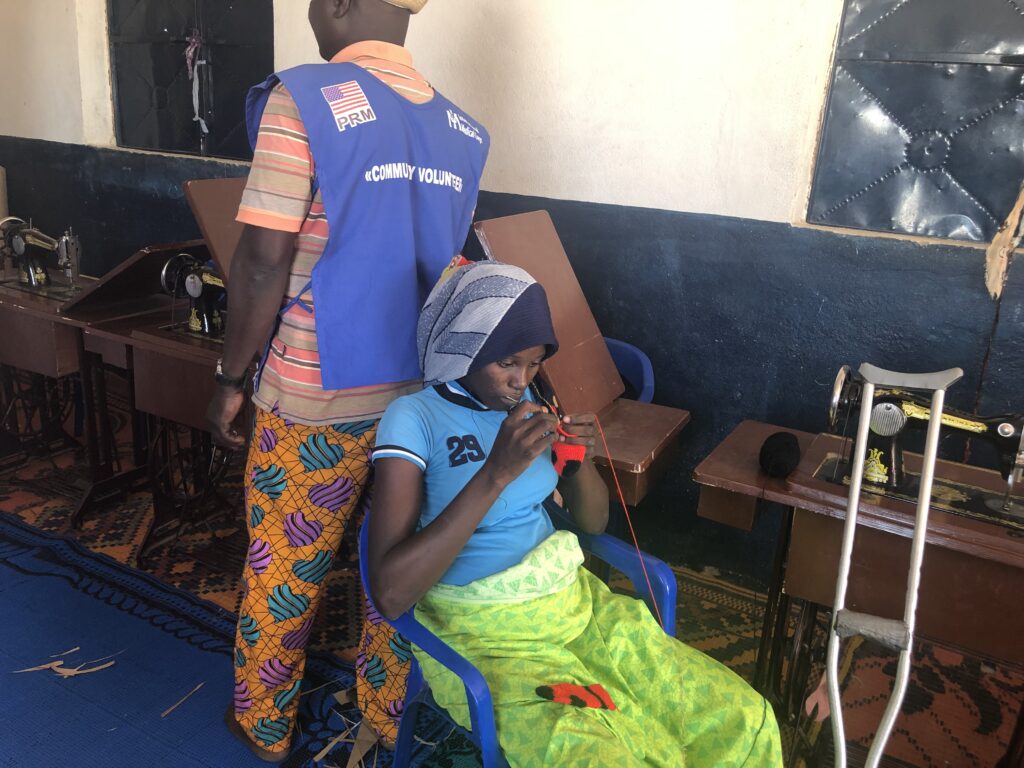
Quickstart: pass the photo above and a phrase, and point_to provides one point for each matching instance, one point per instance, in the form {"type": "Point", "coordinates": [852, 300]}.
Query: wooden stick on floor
{"type": "Point", "coordinates": [181, 701]}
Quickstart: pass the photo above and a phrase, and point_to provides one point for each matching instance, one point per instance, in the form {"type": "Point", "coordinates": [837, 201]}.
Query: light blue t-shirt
{"type": "Point", "coordinates": [448, 434]}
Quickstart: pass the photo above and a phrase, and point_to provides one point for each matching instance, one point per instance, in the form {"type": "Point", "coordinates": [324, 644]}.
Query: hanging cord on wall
{"type": "Point", "coordinates": [622, 501]}
{"type": "Point", "coordinates": [193, 63]}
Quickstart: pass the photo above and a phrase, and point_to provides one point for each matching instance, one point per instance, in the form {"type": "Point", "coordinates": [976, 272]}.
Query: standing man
{"type": "Point", "coordinates": [363, 185]}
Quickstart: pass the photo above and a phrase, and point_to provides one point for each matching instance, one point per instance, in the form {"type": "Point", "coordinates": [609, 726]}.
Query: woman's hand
{"type": "Point", "coordinates": [586, 495]}
{"type": "Point", "coordinates": [527, 431]}
{"type": "Point", "coordinates": [582, 429]}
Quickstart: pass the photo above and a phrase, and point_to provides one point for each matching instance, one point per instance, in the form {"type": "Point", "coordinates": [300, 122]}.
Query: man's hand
{"type": "Point", "coordinates": [221, 413]}
{"type": "Point", "coordinates": [259, 277]}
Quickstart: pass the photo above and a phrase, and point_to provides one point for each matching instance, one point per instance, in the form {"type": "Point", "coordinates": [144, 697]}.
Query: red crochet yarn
{"type": "Point", "coordinates": [568, 456]}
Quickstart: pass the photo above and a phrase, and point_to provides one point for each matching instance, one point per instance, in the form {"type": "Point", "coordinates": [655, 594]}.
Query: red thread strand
{"type": "Point", "coordinates": [629, 521]}
{"type": "Point", "coordinates": [622, 501]}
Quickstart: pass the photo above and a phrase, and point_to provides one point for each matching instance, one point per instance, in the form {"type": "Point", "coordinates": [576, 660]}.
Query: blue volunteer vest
{"type": "Point", "coordinates": [399, 183]}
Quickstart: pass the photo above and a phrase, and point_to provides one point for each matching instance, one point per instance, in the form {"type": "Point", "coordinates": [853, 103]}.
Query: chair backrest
{"type": "Point", "coordinates": [582, 375]}
{"type": "Point", "coordinates": [634, 367]}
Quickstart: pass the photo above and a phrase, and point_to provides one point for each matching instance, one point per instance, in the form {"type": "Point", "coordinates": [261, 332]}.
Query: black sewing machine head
{"type": "Point", "coordinates": [897, 411]}
{"type": "Point", "coordinates": [28, 247]}
{"type": "Point", "coordinates": [31, 249]}
{"type": "Point", "coordinates": [185, 276]}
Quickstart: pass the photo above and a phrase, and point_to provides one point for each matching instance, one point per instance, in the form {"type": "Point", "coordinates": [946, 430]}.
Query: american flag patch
{"type": "Point", "coordinates": [348, 104]}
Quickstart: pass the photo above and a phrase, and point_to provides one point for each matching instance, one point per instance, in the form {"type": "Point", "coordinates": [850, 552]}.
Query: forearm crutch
{"type": "Point", "coordinates": [895, 634]}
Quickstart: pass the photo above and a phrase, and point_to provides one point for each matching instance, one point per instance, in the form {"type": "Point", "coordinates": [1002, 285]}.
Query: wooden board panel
{"type": "Point", "coordinates": [727, 507]}
{"type": "Point", "coordinates": [214, 203]}
{"type": "Point", "coordinates": [643, 439]}
{"type": "Point", "coordinates": [111, 351]}
{"type": "Point", "coordinates": [132, 287]}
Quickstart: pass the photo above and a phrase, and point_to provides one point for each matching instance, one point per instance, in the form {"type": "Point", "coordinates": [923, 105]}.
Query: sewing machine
{"type": "Point", "coordinates": [29, 248]}
{"type": "Point", "coordinates": [896, 411]}
{"type": "Point", "coordinates": [185, 276]}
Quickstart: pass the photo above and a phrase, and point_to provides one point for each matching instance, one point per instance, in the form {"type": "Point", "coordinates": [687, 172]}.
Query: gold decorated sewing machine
{"type": "Point", "coordinates": [897, 412]}
{"type": "Point", "coordinates": [32, 252]}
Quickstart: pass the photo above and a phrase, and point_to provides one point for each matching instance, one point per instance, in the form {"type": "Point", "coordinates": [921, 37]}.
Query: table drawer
{"type": "Point", "coordinates": [37, 345]}
{"type": "Point", "coordinates": [964, 600]}
{"type": "Point", "coordinates": [173, 388]}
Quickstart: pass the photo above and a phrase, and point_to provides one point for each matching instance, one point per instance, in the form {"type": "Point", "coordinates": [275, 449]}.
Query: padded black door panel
{"type": "Point", "coordinates": [924, 131]}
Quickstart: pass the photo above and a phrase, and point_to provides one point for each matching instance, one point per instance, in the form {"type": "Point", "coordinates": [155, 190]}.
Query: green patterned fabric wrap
{"type": "Point", "coordinates": [675, 706]}
{"type": "Point", "coordinates": [549, 567]}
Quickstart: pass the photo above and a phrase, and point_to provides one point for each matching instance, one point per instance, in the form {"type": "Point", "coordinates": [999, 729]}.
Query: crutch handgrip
{"type": "Point", "coordinates": [937, 380]}
{"type": "Point", "coordinates": [894, 634]}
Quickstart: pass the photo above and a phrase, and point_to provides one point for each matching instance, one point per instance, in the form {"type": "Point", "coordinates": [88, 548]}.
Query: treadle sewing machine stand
{"type": "Point", "coordinates": [35, 343]}
{"type": "Point", "coordinates": [127, 324]}
{"type": "Point", "coordinates": [48, 321]}
{"type": "Point", "coordinates": [175, 358]}
{"type": "Point", "coordinates": [31, 291]}
{"type": "Point", "coordinates": [185, 471]}
{"type": "Point", "coordinates": [29, 399]}
{"type": "Point", "coordinates": [102, 315]}
{"type": "Point", "coordinates": [109, 478]}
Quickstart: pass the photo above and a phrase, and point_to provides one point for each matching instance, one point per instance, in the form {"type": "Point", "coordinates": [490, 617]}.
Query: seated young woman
{"type": "Point", "coordinates": [579, 676]}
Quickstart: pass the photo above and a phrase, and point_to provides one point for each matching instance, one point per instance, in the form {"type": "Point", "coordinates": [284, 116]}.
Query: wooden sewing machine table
{"type": "Point", "coordinates": [61, 330]}
{"type": "Point", "coordinates": [171, 375]}
{"type": "Point", "coordinates": [119, 320]}
{"type": "Point", "coordinates": [103, 314]}
{"type": "Point", "coordinates": [971, 580]}
{"type": "Point", "coordinates": [37, 340]}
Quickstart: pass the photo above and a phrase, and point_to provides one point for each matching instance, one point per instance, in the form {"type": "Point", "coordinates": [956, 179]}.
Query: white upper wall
{"type": "Point", "coordinates": [709, 107]}
{"type": "Point", "coordinates": [94, 73]}
{"type": "Point", "coordinates": [40, 90]}
{"type": "Point", "coordinates": [692, 106]}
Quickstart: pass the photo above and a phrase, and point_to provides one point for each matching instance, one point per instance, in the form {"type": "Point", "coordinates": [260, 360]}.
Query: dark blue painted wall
{"type": "Point", "coordinates": [747, 319]}
{"type": "Point", "coordinates": [117, 201]}
{"type": "Point", "coordinates": [741, 318]}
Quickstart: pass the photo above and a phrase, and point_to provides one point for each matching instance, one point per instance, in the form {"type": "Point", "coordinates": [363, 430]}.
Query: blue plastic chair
{"type": "Point", "coordinates": [481, 710]}
{"type": "Point", "coordinates": [634, 366]}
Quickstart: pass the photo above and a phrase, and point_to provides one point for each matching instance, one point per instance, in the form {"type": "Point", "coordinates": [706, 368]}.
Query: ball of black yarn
{"type": "Point", "coordinates": [780, 454]}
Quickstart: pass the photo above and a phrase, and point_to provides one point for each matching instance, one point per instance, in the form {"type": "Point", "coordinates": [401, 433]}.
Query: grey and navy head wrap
{"type": "Point", "coordinates": [484, 312]}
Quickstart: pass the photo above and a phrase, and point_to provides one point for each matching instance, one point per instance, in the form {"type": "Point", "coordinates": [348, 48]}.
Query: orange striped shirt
{"type": "Point", "coordinates": [278, 195]}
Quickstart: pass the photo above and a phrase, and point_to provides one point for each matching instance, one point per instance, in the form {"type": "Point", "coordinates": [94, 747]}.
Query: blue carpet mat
{"type": "Point", "coordinates": [56, 595]}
